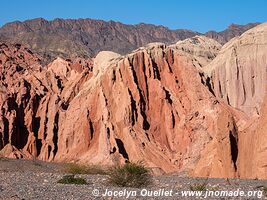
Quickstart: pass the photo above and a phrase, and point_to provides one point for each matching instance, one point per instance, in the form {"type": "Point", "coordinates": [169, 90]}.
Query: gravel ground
{"type": "Point", "coordinates": [20, 179]}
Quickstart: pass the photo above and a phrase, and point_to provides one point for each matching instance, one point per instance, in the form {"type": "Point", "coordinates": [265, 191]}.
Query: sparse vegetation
{"type": "Point", "coordinates": [263, 189]}
{"type": "Point", "coordinates": [199, 187]}
{"type": "Point", "coordinates": [130, 175]}
{"type": "Point", "coordinates": [70, 179]}
{"type": "Point", "coordinates": [36, 163]}
{"type": "Point", "coordinates": [213, 188]}
{"type": "Point", "coordinates": [2, 158]}
{"type": "Point", "coordinates": [74, 168]}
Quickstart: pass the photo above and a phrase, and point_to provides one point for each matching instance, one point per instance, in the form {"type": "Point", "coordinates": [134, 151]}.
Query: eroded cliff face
{"type": "Point", "coordinates": [238, 76]}
{"type": "Point", "coordinates": [252, 160]}
{"type": "Point", "coordinates": [159, 104]}
{"type": "Point", "coordinates": [30, 101]}
{"type": "Point", "coordinates": [150, 105]}
{"type": "Point", "coordinates": [238, 73]}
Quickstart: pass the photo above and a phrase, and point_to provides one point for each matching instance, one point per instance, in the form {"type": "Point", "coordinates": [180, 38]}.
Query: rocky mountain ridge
{"type": "Point", "coordinates": [86, 37]}
{"type": "Point", "coordinates": [232, 31]}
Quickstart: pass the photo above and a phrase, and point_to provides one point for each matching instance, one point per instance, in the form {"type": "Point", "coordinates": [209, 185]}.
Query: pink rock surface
{"type": "Point", "coordinates": [152, 105]}
{"type": "Point", "coordinates": [239, 71]}
{"type": "Point", "coordinates": [149, 105]}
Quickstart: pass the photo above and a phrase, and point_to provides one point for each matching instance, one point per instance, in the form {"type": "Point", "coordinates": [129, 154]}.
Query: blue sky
{"type": "Point", "coordinates": [198, 15]}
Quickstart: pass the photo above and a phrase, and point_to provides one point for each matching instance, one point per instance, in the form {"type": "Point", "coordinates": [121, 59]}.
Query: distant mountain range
{"type": "Point", "coordinates": [86, 37]}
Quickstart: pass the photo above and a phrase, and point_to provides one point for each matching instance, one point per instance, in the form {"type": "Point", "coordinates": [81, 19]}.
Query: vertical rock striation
{"type": "Point", "coordinates": [153, 105]}
{"type": "Point", "coordinates": [238, 73]}
{"type": "Point", "coordinates": [149, 105]}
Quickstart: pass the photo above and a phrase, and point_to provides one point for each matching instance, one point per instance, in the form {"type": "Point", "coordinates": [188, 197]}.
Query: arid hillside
{"type": "Point", "coordinates": [194, 106]}
{"type": "Point", "coordinates": [87, 37]}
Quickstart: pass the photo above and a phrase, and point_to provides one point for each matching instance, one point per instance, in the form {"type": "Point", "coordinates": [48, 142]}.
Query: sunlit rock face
{"type": "Point", "coordinates": [238, 73]}
{"type": "Point", "coordinates": [149, 105]}
{"type": "Point", "coordinates": [158, 104]}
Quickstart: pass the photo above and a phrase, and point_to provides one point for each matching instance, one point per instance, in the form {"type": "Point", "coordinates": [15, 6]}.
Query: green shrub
{"type": "Point", "coordinates": [70, 179]}
{"type": "Point", "coordinates": [130, 175]}
{"type": "Point", "coordinates": [198, 187]}
{"type": "Point", "coordinates": [73, 168]}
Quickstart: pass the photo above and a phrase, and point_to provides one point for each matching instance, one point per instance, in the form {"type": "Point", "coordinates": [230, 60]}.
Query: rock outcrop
{"type": "Point", "coordinates": [149, 105]}
{"type": "Point", "coordinates": [203, 49]}
{"type": "Point", "coordinates": [238, 76]}
{"type": "Point", "coordinates": [238, 73]}
{"type": "Point", "coordinates": [30, 100]}
{"type": "Point", "coordinates": [252, 162]}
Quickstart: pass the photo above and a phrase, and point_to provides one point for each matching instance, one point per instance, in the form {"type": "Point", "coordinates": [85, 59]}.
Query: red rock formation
{"type": "Point", "coordinates": [30, 100]}
{"type": "Point", "coordinates": [152, 105]}
{"type": "Point", "coordinates": [149, 105]}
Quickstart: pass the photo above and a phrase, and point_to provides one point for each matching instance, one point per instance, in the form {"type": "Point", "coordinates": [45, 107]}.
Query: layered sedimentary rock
{"type": "Point", "coordinates": [149, 105]}
{"type": "Point", "coordinates": [238, 73]}
{"type": "Point", "coordinates": [157, 104]}
{"type": "Point", "coordinates": [252, 144]}
{"type": "Point", "coordinates": [30, 100]}
{"type": "Point", "coordinates": [203, 49]}
{"type": "Point", "coordinates": [238, 76]}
